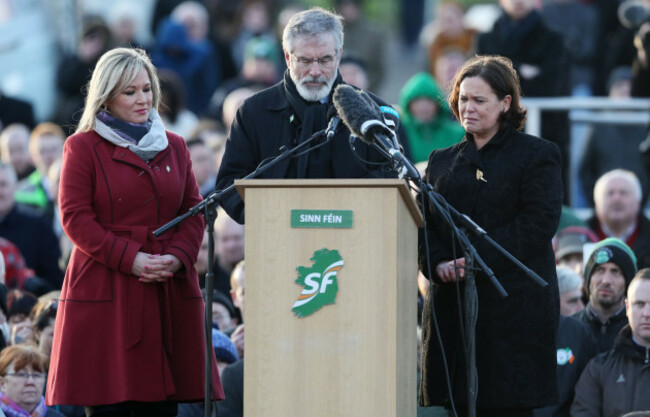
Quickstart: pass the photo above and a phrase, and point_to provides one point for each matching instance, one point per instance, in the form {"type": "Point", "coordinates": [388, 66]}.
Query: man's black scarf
{"type": "Point", "coordinates": [312, 114]}
{"type": "Point", "coordinates": [312, 117]}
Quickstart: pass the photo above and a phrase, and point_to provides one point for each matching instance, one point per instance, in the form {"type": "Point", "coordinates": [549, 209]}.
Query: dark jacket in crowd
{"type": "Point", "coordinates": [518, 203]}
{"type": "Point", "coordinates": [638, 241]}
{"type": "Point", "coordinates": [195, 63]}
{"type": "Point", "coordinates": [530, 41]}
{"type": "Point", "coordinates": [612, 146]}
{"type": "Point", "coordinates": [72, 76]}
{"type": "Point", "coordinates": [268, 121]}
{"type": "Point", "coordinates": [35, 238]}
{"type": "Point", "coordinates": [615, 382]}
{"type": "Point", "coordinates": [577, 22]}
{"type": "Point", "coordinates": [13, 110]}
{"type": "Point", "coordinates": [51, 412]}
{"type": "Point", "coordinates": [575, 348]}
{"type": "Point", "coordinates": [605, 333]}
{"type": "Point", "coordinates": [233, 385]}
{"type": "Point", "coordinates": [640, 79]}
{"type": "Point", "coordinates": [69, 410]}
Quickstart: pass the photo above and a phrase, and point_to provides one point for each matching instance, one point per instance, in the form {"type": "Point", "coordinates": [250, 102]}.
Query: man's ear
{"type": "Point", "coordinates": [286, 57]}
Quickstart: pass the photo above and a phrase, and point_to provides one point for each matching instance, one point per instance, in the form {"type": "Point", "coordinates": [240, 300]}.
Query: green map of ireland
{"type": "Point", "coordinates": [320, 284]}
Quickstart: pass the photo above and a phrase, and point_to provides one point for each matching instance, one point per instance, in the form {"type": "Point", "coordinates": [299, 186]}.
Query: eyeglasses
{"type": "Point", "coordinates": [323, 62]}
{"type": "Point", "coordinates": [36, 376]}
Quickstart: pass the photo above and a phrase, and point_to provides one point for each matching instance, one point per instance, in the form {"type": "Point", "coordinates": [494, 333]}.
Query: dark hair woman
{"type": "Point", "coordinates": [510, 184]}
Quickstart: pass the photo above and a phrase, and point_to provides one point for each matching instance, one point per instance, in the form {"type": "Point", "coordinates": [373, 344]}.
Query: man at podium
{"type": "Point", "coordinates": [291, 111]}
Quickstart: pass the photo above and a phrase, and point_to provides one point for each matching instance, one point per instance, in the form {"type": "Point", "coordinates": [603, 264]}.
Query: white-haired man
{"type": "Point", "coordinates": [291, 111]}
{"type": "Point", "coordinates": [617, 202]}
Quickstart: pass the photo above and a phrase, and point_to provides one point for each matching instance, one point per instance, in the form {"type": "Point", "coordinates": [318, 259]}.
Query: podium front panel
{"type": "Point", "coordinates": [355, 355]}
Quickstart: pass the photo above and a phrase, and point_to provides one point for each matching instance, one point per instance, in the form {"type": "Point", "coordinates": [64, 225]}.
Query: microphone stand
{"type": "Point", "coordinates": [468, 224]}
{"type": "Point", "coordinates": [470, 305]}
{"type": "Point", "coordinates": [210, 215]}
{"type": "Point", "coordinates": [470, 317]}
{"type": "Point", "coordinates": [208, 207]}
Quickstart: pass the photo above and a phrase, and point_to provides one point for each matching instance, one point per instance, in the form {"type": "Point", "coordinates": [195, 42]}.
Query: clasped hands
{"type": "Point", "coordinates": [154, 268]}
{"type": "Point", "coordinates": [446, 270]}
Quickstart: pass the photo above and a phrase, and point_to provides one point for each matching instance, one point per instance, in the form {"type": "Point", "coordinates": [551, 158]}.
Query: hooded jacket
{"type": "Point", "coordinates": [439, 133]}
{"type": "Point", "coordinates": [605, 333]}
{"type": "Point", "coordinates": [615, 382]}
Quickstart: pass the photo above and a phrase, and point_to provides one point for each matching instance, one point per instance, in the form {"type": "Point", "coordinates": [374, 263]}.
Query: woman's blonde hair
{"type": "Point", "coordinates": [114, 72]}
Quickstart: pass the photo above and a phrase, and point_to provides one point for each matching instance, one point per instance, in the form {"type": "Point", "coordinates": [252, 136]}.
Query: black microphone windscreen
{"type": "Point", "coordinates": [374, 106]}
{"type": "Point", "coordinates": [353, 108]}
{"type": "Point", "coordinates": [382, 113]}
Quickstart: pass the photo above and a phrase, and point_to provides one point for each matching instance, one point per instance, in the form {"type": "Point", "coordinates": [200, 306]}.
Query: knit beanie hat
{"type": "Point", "coordinates": [611, 250]}
{"type": "Point", "coordinates": [224, 349]}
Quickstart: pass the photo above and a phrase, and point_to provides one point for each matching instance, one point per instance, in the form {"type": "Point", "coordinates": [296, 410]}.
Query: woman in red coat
{"type": "Point", "coordinates": [129, 334]}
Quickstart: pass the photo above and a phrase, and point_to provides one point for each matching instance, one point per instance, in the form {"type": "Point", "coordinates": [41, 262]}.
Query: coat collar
{"type": "Point", "coordinates": [628, 347]}
{"type": "Point", "coordinates": [468, 148]}
{"type": "Point", "coordinates": [279, 102]}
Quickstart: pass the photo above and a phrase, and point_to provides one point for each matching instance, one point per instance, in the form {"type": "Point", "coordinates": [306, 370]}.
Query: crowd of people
{"type": "Point", "coordinates": [141, 133]}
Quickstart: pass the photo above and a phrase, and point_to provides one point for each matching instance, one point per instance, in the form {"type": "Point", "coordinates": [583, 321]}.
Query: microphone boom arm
{"type": "Point", "coordinates": [215, 195]}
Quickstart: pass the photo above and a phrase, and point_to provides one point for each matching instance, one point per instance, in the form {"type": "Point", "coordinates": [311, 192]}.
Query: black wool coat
{"type": "Point", "coordinates": [264, 123]}
{"type": "Point", "coordinates": [539, 46]}
{"type": "Point", "coordinates": [518, 203]}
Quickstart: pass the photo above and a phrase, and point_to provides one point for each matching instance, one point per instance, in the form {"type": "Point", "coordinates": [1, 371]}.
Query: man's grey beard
{"type": "Point", "coordinates": [310, 94]}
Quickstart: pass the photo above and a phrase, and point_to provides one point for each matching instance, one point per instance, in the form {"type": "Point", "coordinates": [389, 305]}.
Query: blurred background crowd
{"type": "Point", "coordinates": [213, 54]}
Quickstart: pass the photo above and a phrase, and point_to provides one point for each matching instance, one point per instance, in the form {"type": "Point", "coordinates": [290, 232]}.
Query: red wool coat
{"type": "Point", "coordinates": [117, 339]}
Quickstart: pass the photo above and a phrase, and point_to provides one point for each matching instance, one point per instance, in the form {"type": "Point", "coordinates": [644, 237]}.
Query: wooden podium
{"type": "Point", "coordinates": [355, 356]}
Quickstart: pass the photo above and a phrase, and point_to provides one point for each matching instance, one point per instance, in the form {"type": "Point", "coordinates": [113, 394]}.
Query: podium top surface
{"type": "Point", "coordinates": [409, 200]}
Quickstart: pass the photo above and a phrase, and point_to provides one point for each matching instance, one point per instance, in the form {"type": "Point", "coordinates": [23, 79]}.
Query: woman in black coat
{"type": "Point", "coordinates": [510, 184]}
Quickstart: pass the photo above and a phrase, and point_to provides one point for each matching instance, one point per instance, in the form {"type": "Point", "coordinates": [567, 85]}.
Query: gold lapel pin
{"type": "Point", "coordinates": [479, 175]}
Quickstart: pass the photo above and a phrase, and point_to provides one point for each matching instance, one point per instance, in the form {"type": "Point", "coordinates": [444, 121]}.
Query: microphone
{"type": "Point", "coordinates": [391, 119]}
{"type": "Point", "coordinates": [334, 121]}
{"type": "Point", "coordinates": [357, 113]}
{"type": "Point", "coordinates": [365, 120]}
{"type": "Point", "coordinates": [389, 116]}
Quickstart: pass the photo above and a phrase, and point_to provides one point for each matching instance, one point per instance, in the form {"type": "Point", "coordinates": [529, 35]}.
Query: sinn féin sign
{"type": "Point", "coordinates": [321, 218]}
